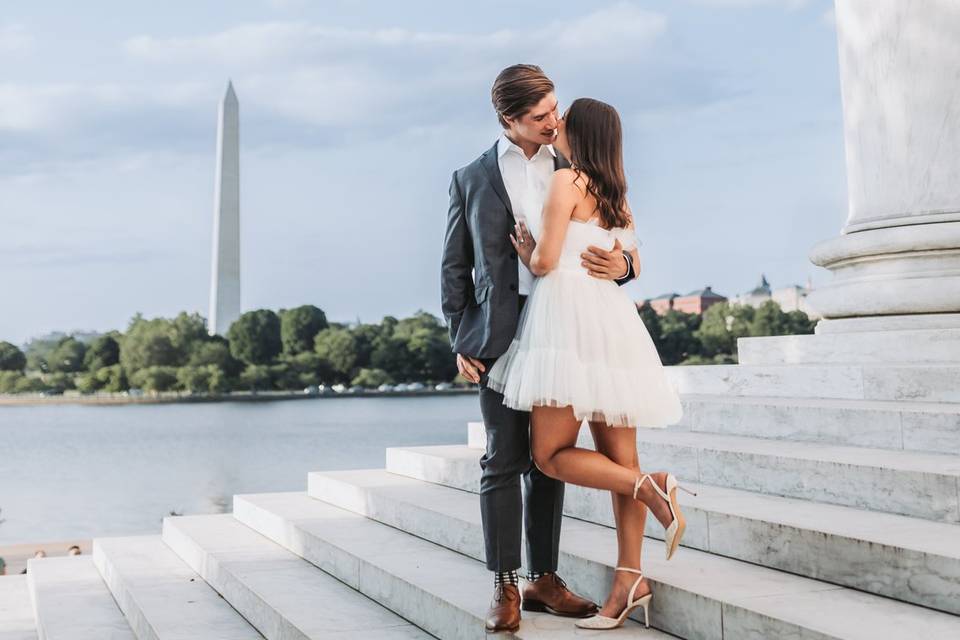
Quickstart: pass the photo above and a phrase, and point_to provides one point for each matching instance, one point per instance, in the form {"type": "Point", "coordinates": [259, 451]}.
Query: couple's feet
{"type": "Point", "coordinates": [548, 593]}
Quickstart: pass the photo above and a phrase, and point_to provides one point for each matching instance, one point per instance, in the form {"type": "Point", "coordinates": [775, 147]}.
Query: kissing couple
{"type": "Point", "coordinates": [539, 239]}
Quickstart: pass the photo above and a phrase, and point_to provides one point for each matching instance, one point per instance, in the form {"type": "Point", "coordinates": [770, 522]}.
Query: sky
{"type": "Point", "coordinates": [353, 115]}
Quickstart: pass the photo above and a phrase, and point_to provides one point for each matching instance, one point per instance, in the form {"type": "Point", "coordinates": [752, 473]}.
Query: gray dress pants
{"type": "Point", "coordinates": [503, 505]}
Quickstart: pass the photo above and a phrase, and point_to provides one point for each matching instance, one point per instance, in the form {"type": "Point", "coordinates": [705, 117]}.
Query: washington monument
{"type": "Point", "coordinates": [225, 271]}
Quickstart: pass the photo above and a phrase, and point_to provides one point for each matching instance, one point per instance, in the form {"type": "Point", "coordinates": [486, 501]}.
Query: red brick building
{"type": "Point", "coordinates": [694, 302]}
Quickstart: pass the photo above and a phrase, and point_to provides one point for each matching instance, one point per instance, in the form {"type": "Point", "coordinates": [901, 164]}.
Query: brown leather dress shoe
{"type": "Point", "coordinates": [504, 614]}
{"type": "Point", "coordinates": [549, 593]}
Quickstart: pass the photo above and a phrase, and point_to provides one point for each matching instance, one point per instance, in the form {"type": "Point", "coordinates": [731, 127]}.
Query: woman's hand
{"type": "Point", "coordinates": [523, 242]}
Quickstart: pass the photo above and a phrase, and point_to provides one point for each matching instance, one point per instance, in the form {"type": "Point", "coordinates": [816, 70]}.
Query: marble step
{"type": "Point", "coordinates": [282, 595]}
{"type": "Point", "coordinates": [72, 602]}
{"type": "Point", "coordinates": [913, 426]}
{"type": "Point", "coordinates": [441, 591]}
{"type": "Point", "coordinates": [909, 383]}
{"type": "Point", "coordinates": [884, 347]}
{"type": "Point", "coordinates": [911, 483]}
{"type": "Point", "coordinates": [696, 594]}
{"type": "Point", "coordinates": [163, 598]}
{"type": "Point", "coordinates": [905, 558]}
{"type": "Point", "coordinates": [16, 610]}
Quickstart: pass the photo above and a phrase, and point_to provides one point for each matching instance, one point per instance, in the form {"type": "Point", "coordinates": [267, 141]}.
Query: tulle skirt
{"type": "Point", "coordinates": [581, 343]}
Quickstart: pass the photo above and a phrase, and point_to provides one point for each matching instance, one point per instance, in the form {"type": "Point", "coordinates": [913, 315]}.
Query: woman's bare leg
{"type": "Point", "coordinates": [620, 445]}
{"type": "Point", "coordinates": [553, 436]}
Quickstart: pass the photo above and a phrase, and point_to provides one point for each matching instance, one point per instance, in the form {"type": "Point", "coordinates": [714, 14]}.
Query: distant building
{"type": "Point", "coordinates": [694, 302]}
{"type": "Point", "coordinates": [791, 298]}
{"type": "Point", "coordinates": [663, 303]}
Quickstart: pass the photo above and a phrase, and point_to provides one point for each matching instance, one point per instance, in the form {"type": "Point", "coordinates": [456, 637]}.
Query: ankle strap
{"type": "Point", "coordinates": [636, 571]}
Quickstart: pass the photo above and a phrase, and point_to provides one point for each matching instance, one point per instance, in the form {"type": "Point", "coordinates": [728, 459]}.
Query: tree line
{"type": "Point", "coordinates": [263, 350]}
{"type": "Point", "coordinates": [296, 348]}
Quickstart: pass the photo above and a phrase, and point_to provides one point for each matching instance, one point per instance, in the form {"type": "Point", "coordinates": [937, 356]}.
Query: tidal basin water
{"type": "Point", "coordinates": [71, 471]}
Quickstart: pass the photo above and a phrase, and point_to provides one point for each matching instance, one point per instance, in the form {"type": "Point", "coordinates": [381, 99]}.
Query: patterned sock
{"type": "Point", "coordinates": [533, 576]}
{"type": "Point", "coordinates": [505, 577]}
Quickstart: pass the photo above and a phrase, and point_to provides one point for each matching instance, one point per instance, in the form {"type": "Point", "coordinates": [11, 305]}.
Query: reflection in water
{"type": "Point", "coordinates": [70, 471]}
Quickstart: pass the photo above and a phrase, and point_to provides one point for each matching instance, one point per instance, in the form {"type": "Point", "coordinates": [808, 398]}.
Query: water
{"type": "Point", "coordinates": [77, 472]}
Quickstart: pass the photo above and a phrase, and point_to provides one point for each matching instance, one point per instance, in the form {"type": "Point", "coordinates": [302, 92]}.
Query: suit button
{"type": "Point", "coordinates": [513, 287]}
{"type": "Point", "coordinates": [513, 255]}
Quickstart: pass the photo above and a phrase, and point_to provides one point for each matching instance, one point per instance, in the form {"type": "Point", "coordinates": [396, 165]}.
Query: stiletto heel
{"type": "Point", "coordinates": [603, 622]}
{"type": "Point", "coordinates": [674, 531]}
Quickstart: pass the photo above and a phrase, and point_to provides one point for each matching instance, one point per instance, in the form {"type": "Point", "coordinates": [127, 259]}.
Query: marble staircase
{"type": "Point", "coordinates": [827, 506]}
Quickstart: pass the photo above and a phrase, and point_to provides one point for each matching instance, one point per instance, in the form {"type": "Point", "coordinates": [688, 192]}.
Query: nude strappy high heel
{"type": "Point", "coordinates": [603, 622]}
{"type": "Point", "coordinates": [674, 532]}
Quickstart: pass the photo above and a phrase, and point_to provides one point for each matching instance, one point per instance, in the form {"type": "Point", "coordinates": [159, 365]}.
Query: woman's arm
{"type": "Point", "coordinates": [562, 198]}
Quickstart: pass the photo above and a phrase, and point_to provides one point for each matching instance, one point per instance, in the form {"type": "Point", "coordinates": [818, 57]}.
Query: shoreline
{"type": "Point", "coordinates": [177, 397]}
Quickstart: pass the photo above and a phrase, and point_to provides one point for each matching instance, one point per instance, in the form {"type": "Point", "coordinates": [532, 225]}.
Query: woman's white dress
{"type": "Point", "coordinates": [581, 343]}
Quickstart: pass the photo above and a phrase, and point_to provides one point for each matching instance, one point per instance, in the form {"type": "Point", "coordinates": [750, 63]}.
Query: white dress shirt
{"type": "Point", "coordinates": [527, 182]}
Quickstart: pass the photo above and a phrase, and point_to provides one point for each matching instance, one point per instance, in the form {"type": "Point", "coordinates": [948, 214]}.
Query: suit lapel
{"type": "Point", "coordinates": [492, 168]}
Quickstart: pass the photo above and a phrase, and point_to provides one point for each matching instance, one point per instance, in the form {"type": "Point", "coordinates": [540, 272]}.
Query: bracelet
{"type": "Point", "coordinates": [629, 273]}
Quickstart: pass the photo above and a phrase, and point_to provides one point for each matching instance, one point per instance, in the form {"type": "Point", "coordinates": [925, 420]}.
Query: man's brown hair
{"type": "Point", "coordinates": [517, 89]}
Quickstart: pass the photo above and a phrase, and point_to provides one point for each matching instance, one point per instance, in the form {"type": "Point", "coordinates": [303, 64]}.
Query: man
{"type": "Point", "coordinates": [483, 288]}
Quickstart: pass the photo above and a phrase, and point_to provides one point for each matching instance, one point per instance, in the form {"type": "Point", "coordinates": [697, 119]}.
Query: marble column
{"type": "Point", "coordinates": [896, 264]}
{"type": "Point", "coordinates": [225, 272]}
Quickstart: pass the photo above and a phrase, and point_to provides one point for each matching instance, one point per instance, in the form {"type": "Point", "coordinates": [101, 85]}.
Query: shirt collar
{"type": "Point", "coordinates": [504, 144]}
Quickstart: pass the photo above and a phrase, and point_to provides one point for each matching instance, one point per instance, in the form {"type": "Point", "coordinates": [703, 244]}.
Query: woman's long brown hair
{"type": "Point", "coordinates": [596, 149]}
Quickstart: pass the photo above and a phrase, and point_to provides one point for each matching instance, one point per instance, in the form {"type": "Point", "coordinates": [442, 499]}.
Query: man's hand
{"type": "Point", "coordinates": [470, 368]}
{"type": "Point", "coordinates": [606, 265]}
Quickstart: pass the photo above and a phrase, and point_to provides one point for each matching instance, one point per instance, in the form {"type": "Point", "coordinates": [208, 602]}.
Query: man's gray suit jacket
{"type": "Point", "coordinates": [479, 277]}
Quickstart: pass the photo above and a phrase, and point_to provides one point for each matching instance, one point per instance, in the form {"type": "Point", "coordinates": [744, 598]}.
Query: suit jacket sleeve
{"type": "Point", "coordinates": [456, 282]}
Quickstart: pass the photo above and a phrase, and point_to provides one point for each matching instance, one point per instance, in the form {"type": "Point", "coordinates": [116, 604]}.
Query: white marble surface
{"type": "Point", "coordinates": [906, 558]}
{"type": "Point", "coordinates": [898, 382]}
{"type": "Point", "coordinates": [16, 609]}
{"type": "Point", "coordinates": [282, 595]}
{"type": "Point", "coordinates": [72, 602]}
{"type": "Point", "coordinates": [695, 582]}
{"type": "Point", "coordinates": [914, 483]}
{"type": "Point", "coordinates": [882, 347]}
{"type": "Point", "coordinates": [899, 75]}
{"type": "Point", "coordinates": [914, 426]}
{"type": "Point", "coordinates": [442, 591]}
{"type": "Point", "coordinates": [161, 597]}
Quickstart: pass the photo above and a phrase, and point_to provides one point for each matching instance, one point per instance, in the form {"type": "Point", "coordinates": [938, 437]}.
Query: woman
{"type": "Point", "coordinates": [583, 353]}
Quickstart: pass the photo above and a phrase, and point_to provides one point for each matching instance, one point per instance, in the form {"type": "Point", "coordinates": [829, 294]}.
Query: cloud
{"type": "Point", "coordinates": [14, 38]}
{"type": "Point", "coordinates": [616, 30]}
{"type": "Point", "coordinates": [787, 4]}
{"type": "Point", "coordinates": [307, 83]}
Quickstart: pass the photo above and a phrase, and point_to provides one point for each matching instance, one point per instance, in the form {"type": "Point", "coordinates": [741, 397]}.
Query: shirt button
{"type": "Point", "coordinates": [513, 287]}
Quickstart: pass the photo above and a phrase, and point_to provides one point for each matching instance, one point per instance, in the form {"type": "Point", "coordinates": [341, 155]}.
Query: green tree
{"type": "Point", "coordinates": [195, 379]}
{"type": "Point", "coordinates": [57, 382]}
{"type": "Point", "coordinates": [37, 352]}
{"type": "Point", "coordinates": [29, 384]}
{"type": "Point", "coordinates": [256, 377]}
{"type": "Point", "coordinates": [215, 351]}
{"type": "Point", "coordinates": [9, 381]}
{"type": "Point", "coordinates": [306, 369]}
{"type": "Point", "coordinates": [147, 343]}
{"type": "Point", "coordinates": [255, 337]}
{"type": "Point", "coordinates": [299, 326]}
{"type": "Point", "coordinates": [104, 351]}
{"type": "Point", "coordinates": [651, 320]}
{"type": "Point", "coordinates": [721, 326]}
{"type": "Point", "coordinates": [769, 320]}
{"type": "Point", "coordinates": [68, 356]}
{"type": "Point", "coordinates": [11, 358]}
{"type": "Point", "coordinates": [339, 348]}
{"type": "Point", "coordinates": [799, 323]}
{"type": "Point", "coordinates": [372, 378]}
{"type": "Point", "coordinates": [155, 378]}
{"type": "Point", "coordinates": [678, 341]}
